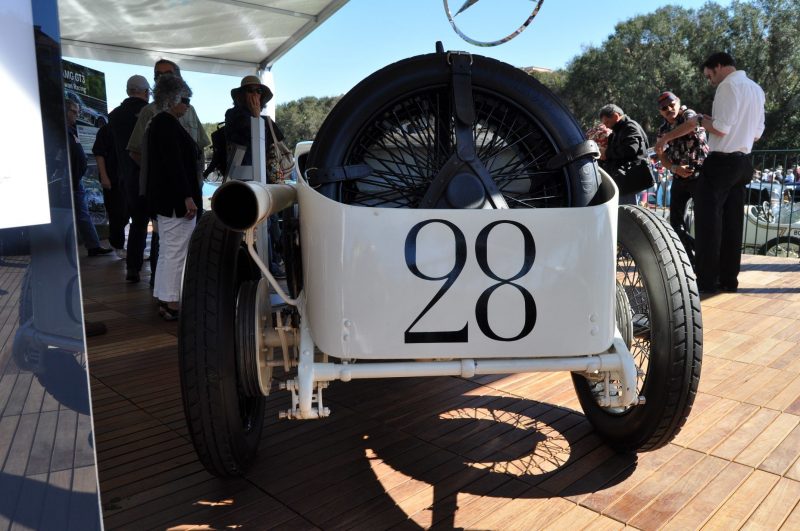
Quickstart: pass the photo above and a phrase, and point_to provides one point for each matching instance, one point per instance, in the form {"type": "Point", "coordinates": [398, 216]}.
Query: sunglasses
{"type": "Point", "coordinates": [186, 101]}
{"type": "Point", "coordinates": [254, 90]}
{"type": "Point", "coordinates": [667, 106]}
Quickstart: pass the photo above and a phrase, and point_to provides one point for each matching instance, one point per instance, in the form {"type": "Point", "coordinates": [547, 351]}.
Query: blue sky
{"type": "Point", "coordinates": [366, 35]}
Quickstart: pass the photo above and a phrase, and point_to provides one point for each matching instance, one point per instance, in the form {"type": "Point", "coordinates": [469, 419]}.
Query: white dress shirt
{"type": "Point", "coordinates": [738, 112]}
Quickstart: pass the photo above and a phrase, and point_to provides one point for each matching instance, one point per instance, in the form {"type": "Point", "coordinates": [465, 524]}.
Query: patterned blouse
{"type": "Point", "coordinates": [688, 150]}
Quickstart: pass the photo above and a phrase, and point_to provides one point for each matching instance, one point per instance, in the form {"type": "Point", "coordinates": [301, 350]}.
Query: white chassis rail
{"type": "Point", "coordinates": [532, 291]}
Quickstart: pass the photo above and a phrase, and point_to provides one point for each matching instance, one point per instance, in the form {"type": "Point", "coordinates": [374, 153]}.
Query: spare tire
{"type": "Point", "coordinates": [400, 123]}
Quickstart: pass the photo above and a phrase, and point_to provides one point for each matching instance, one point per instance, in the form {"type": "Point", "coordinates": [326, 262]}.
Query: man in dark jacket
{"type": "Point", "coordinates": [77, 162]}
{"type": "Point", "coordinates": [123, 171]}
{"type": "Point", "coordinates": [626, 143]}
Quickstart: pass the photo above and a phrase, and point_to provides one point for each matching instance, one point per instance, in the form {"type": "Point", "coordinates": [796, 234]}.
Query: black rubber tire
{"type": "Point", "coordinates": [786, 246]}
{"type": "Point", "coordinates": [224, 423]}
{"type": "Point", "coordinates": [376, 99]}
{"type": "Point", "coordinates": [669, 349]}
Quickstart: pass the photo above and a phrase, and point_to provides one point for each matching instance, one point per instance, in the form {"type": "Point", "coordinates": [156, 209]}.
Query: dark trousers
{"type": "Point", "coordinates": [117, 211]}
{"type": "Point", "coordinates": [719, 211]}
{"type": "Point", "coordinates": [137, 236]}
{"type": "Point", "coordinates": [682, 190]}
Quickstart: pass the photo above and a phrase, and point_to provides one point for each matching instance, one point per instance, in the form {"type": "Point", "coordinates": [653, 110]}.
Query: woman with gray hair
{"type": "Point", "coordinates": [172, 191]}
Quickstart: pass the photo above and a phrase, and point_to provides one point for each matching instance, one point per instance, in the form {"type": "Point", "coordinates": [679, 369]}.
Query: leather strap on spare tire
{"type": "Point", "coordinates": [402, 122]}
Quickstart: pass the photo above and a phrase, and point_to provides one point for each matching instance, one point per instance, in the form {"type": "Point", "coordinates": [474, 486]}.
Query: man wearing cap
{"type": "Point", "coordinates": [191, 123]}
{"type": "Point", "coordinates": [737, 120]}
{"type": "Point", "coordinates": [682, 147]}
{"type": "Point", "coordinates": [117, 171]}
{"type": "Point", "coordinates": [626, 143]}
{"type": "Point", "coordinates": [249, 100]}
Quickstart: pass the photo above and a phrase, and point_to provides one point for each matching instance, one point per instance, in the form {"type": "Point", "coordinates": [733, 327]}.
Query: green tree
{"type": "Point", "coordinates": [663, 51]}
{"type": "Point", "coordinates": [301, 119]}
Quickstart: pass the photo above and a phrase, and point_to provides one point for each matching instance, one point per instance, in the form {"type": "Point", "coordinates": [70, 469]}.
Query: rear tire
{"type": "Point", "coordinates": [660, 285]}
{"type": "Point", "coordinates": [225, 424]}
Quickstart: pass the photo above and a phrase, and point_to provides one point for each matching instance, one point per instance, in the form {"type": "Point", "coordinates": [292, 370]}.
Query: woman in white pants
{"type": "Point", "coordinates": [173, 190]}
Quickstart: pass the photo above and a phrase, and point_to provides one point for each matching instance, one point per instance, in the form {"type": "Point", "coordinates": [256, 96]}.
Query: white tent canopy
{"type": "Point", "coordinates": [230, 37]}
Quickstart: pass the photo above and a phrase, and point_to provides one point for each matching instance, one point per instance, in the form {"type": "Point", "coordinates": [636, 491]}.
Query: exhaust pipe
{"type": "Point", "coordinates": [241, 205]}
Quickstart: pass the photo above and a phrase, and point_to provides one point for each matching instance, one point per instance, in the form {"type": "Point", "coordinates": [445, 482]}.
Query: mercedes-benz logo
{"type": "Point", "coordinates": [469, 3]}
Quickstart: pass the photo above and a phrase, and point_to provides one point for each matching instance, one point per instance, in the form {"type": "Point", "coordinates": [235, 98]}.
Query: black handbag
{"type": "Point", "coordinates": [633, 176]}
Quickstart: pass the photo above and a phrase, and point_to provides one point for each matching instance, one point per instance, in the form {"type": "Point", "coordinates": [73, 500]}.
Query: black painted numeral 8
{"type": "Point", "coordinates": [482, 306]}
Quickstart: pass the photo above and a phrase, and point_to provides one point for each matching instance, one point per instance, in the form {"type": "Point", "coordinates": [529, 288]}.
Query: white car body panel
{"type": "Point", "coordinates": [362, 297]}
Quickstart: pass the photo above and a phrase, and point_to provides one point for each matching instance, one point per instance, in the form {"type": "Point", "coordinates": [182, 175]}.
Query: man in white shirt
{"type": "Point", "coordinates": [736, 121]}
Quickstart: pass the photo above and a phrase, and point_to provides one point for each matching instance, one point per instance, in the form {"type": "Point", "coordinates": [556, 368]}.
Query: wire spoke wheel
{"type": "Point", "coordinates": [411, 142]}
{"type": "Point", "coordinates": [786, 247]}
{"type": "Point", "coordinates": [400, 123]}
{"type": "Point", "coordinates": [631, 280]}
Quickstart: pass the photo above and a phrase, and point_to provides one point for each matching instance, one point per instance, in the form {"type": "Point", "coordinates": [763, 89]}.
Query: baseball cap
{"type": "Point", "coordinates": [665, 98]}
{"type": "Point", "coordinates": [138, 82]}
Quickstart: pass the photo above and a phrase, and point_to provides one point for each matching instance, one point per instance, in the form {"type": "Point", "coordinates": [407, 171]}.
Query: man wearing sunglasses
{"type": "Point", "coordinates": [249, 100]}
{"type": "Point", "coordinates": [682, 147]}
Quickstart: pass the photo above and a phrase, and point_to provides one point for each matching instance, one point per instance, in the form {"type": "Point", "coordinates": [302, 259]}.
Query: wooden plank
{"type": "Point", "coordinates": [647, 464]}
{"type": "Point", "coordinates": [776, 507]}
{"type": "Point", "coordinates": [576, 517]}
{"type": "Point", "coordinates": [700, 508]}
{"type": "Point", "coordinates": [701, 422]}
{"type": "Point", "coordinates": [786, 397]}
{"type": "Point", "coordinates": [56, 500]}
{"type": "Point", "coordinates": [723, 428]}
{"type": "Point", "coordinates": [42, 446]}
{"type": "Point", "coordinates": [671, 501]}
{"type": "Point", "coordinates": [738, 508]}
{"type": "Point", "coordinates": [793, 520]}
{"type": "Point", "coordinates": [6, 386]}
{"type": "Point", "coordinates": [768, 440]}
{"type": "Point", "coordinates": [83, 514]}
{"type": "Point", "coordinates": [16, 401]}
{"type": "Point", "coordinates": [30, 502]}
{"type": "Point", "coordinates": [743, 436]}
{"type": "Point", "coordinates": [634, 501]}
{"type": "Point", "coordinates": [787, 452]}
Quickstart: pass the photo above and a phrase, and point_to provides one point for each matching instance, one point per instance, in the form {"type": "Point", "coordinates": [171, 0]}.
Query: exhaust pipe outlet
{"type": "Point", "coordinates": [241, 205]}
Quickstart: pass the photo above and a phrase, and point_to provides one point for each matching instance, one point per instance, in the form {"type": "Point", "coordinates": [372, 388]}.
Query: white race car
{"type": "Point", "coordinates": [451, 220]}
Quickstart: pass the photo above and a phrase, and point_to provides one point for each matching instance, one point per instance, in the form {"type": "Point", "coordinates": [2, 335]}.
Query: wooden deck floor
{"type": "Point", "coordinates": [486, 453]}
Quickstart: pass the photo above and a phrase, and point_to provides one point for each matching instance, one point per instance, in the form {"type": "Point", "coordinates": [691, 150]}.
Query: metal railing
{"type": "Point", "coordinates": [772, 211]}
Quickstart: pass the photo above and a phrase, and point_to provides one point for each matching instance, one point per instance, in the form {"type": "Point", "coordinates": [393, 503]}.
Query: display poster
{"type": "Point", "coordinates": [87, 87]}
{"type": "Point", "coordinates": [23, 174]}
